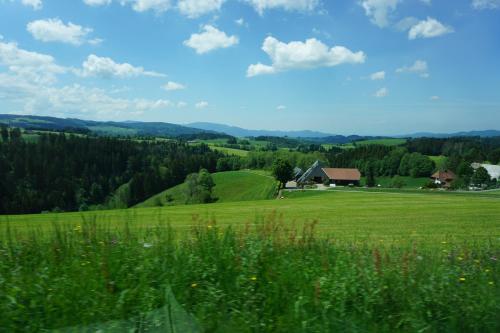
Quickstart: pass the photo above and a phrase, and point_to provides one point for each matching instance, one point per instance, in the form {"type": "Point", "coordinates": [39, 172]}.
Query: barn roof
{"type": "Point", "coordinates": [444, 175]}
{"type": "Point", "coordinates": [342, 174]}
{"type": "Point", "coordinates": [305, 176]}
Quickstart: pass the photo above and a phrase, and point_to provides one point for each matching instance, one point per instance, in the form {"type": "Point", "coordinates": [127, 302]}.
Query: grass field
{"type": "Point", "coordinates": [440, 161]}
{"type": "Point", "coordinates": [230, 151]}
{"type": "Point", "coordinates": [348, 215]}
{"type": "Point", "coordinates": [229, 186]}
{"type": "Point", "coordinates": [409, 182]}
{"type": "Point", "coordinates": [317, 261]}
{"type": "Point", "coordinates": [385, 142]}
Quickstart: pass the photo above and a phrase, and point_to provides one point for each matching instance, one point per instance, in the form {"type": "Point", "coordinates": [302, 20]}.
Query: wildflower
{"type": "Point", "coordinates": [194, 285]}
{"type": "Point", "coordinates": [253, 278]}
{"type": "Point", "coordinates": [210, 226]}
{"type": "Point", "coordinates": [462, 279]}
{"type": "Point", "coordinates": [491, 283]}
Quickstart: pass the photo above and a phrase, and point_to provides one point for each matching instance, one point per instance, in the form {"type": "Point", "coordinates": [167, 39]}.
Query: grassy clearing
{"type": "Point", "coordinates": [229, 186]}
{"type": "Point", "coordinates": [271, 277]}
{"type": "Point", "coordinates": [440, 161]}
{"type": "Point", "coordinates": [230, 151]}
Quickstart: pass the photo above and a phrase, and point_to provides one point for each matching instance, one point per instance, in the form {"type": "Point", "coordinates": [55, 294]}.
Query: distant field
{"type": "Point", "coordinates": [351, 145]}
{"type": "Point", "coordinates": [230, 186]}
{"type": "Point", "coordinates": [440, 161]}
{"type": "Point", "coordinates": [230, 151]}
{"type": "Point", "coordinates": [389, 216]}
{"type": "Point", "coordinates": [385, 142]}
{"type": "Point", "coordinates": [409, 182]}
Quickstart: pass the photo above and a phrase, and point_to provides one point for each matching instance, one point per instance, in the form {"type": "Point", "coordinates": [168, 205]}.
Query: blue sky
{"type": "Point", "coordinates": [380, 67]}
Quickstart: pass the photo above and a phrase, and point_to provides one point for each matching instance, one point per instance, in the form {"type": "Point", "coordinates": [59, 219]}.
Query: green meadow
{"type": "Point", "coordinates": [314, 261]}
{"type": "Point", "coordinates": [230, 186]}
{"type": "Point", "coordinates": [400, 216]}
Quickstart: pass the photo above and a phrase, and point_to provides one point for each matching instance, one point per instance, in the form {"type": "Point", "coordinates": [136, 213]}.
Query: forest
{"type": "Point", "coordinates": [69, 172]}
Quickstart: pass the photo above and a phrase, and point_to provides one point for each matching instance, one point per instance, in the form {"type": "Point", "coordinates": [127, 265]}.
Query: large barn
{"type": "Point", "coordinates": [318, 173]}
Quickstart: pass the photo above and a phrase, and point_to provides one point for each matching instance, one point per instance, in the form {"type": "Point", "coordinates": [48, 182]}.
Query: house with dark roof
{"type": "Point", "coordinates": [443, 178]}
{"type": "Point", "coordinates": [319, 173]}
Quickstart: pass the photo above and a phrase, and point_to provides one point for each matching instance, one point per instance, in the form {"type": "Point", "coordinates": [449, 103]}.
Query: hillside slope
{"type": "Point", "coordinates": [230, 186]}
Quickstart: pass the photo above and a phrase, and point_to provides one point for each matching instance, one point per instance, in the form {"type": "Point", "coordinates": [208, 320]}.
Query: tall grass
{"type": "Point", "coordinates": [272, 277]}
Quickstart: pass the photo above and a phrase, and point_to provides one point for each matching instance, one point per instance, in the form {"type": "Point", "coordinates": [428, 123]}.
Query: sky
{"type": "Point", "coordinates": [369, 67]}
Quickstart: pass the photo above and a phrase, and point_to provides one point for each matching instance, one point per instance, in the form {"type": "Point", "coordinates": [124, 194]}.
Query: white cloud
{"type": "Point", "coordinates": [97, 2]}
{"type": "Point", "coordinates": [201, 105]}
{"type": "Point", "coordinates": [35, 4]}
{"type": "Point", "coordinates": [107, 67]}
{"type": "Point", "coordinates": [406, 23]}
{"type": "Point", "coordinates": [435, 98]}
{"type": "Point", "coordinates": [428, 28]}
{"type": "Point", "coordinates": [210, 39]}
{"type": "Point", "coordinates": [54, 30]}
{"type": "Point", "coordinates": [241, 22]}
{"type": "Point", "coordinates": [259, 69]}
{"type": "Point", "coordinates": [419, 67]}
{"type": "Point", "coordinates": [382, 92]}
{"type": "Point", "coordinates": [145, 104]}
{"type": "Point", "coordinates": [158, 6]}
{"type": "Point", "coordinates": [379, 10]}
{"type": "Point", "coordinates": [197, 8]}
{"type": "Point", "coordinates": [35, 67]}
{"type": "Point", "coordinates": [72, 100]}
{"type": "Point", "coordinates": [181, 105]}
{"type": "Point", "coordinates": [302, 55]}
{"type": "Point", "coordinates": [378, 76]}
{"type": "Point", "coordinates": [171, 86]}
{"type": "Point", "coordinates": [281, 107]}
{"type": "Point", "coordinates": [486, 4]}
{"type": "Point", "coordinates": [290, 5]}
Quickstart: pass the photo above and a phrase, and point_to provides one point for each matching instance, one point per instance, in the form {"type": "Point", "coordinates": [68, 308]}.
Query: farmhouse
{"type": "Point", "coordinates": [493, 170]}
{"type": "Point", "coordinates": [318, 173]}
{"type": "Point", "coordinates": [443, 178]}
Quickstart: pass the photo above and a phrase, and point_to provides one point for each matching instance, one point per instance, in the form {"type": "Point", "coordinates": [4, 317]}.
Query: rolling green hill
{"type": "Point", "coordinates": [229, 186]}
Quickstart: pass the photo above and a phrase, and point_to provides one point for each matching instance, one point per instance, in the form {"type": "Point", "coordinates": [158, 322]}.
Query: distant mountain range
{"type": "Point", "coordinates": [242, 132]}
{"type": "Point", "coordinates": [124, 128]}
{"type": "Point", "coordinates": [483, 134]}
{"type": "Point", "coordinates": [131, 128]}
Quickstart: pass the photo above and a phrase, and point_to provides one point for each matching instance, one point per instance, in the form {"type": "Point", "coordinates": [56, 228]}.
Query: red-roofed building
{"type": "Point", "coordinates": [443, 178]}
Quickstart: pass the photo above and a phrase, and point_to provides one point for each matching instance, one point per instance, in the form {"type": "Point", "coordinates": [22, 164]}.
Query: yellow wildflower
{"type": "Point", "coordinates": [491, 283]}
{"type": "Point", "coordinates": [253, 278]}
{"type": "Point", "coordinates": [462, 279]}
{"type": "Point", "coordinates": [194, 285]}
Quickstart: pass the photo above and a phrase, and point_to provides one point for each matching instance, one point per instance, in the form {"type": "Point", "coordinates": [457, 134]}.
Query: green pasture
{"type": "Point", "coordinates": [349, 215]}
{"type": "Point", "coordinates": [229, 186]}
